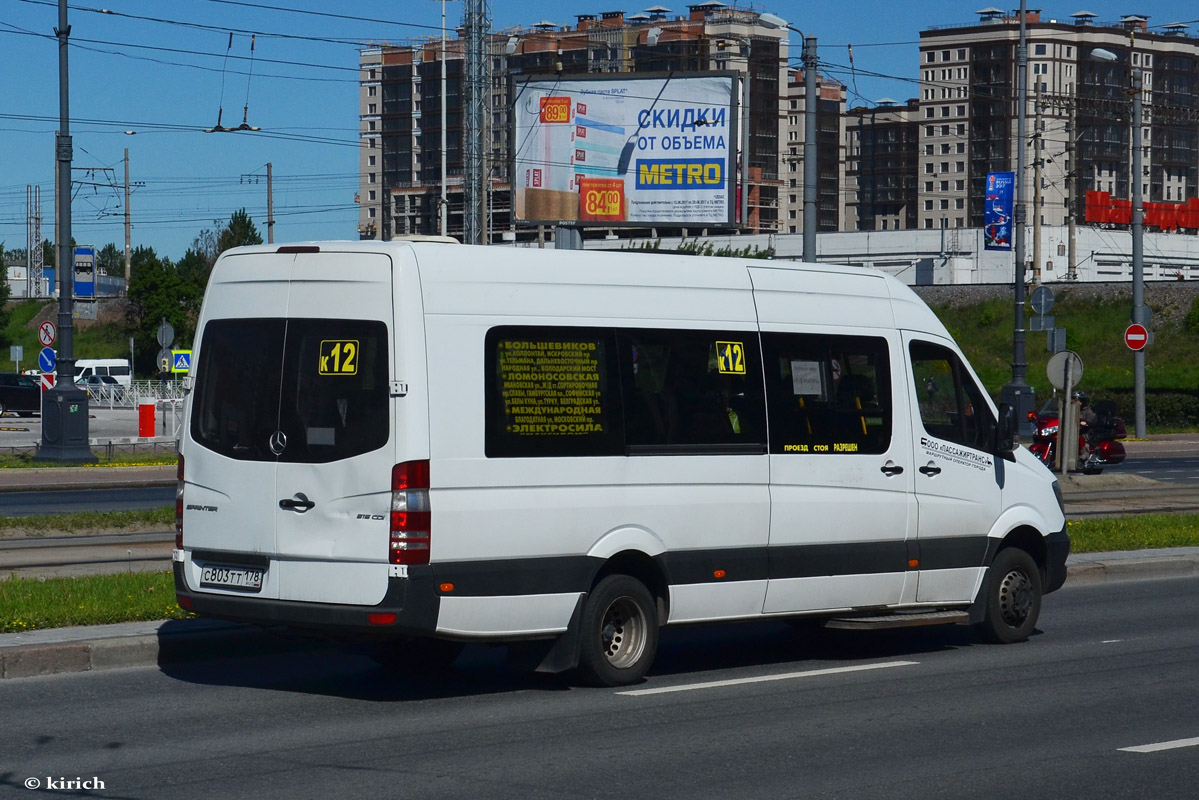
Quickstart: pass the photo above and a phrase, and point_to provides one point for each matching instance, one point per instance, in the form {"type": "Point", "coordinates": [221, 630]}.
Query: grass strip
{"type": "Point", "coordinates": [159, 459]}
{"type": "Point", "coordinates": [1140, 532]}
{"type": "Point", "coordinates": [32, 603]}
{"type": "Point", "coordinates": [160, 519]}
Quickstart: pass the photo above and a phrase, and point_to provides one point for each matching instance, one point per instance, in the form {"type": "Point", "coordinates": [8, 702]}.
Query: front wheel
{"type": "Point", "coordinates": [1013, 597]}
{"type": "Point", "coordinates": [618, 632]}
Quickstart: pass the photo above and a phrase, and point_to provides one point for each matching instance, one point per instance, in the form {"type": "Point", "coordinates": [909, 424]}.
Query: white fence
{"type": "Point", "coordinates": [112, 396]}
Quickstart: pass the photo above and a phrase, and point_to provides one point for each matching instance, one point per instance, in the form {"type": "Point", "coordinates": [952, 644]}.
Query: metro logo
{"type": "Point", "coordinates": [680, 173]}
{"type": "Point", "coordinates": [601, 199]}
{"type": "Point", "coordinates": [555, 110]}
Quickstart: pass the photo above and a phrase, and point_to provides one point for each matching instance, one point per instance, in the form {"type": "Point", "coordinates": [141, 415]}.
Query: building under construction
{"type": "Point", "coordinates": [401, 117]}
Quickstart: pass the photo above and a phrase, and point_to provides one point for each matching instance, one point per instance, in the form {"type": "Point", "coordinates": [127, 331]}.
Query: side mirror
{"type": "Point", "coordinates": [1005, 432]}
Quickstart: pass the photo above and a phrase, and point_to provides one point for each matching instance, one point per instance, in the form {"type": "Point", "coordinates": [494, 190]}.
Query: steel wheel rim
{"type": "Point", "coordinates": [622, 634]}
{"type": "Point", "coordinates": [1015, 598]}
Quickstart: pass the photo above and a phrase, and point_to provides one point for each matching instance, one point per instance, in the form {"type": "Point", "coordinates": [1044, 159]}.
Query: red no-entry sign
{"type": "Point", "coordinates": [1136, 336]}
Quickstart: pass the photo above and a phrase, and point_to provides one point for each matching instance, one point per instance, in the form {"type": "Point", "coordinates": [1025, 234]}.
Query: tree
{"type": "Point", "coordinates": [156, 293]}
{"type": "Point", "coordinates": [240, 231]}
{"type": "Point", "coordinates": [110, 261]}
{"type": "Point", "coordinates": [4, 295]}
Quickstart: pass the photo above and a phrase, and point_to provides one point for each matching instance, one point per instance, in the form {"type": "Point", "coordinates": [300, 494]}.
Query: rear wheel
{"type": "Point", "coordinates": [1013, 597]}
{"type": "Point", "coordinates": [618, 632]}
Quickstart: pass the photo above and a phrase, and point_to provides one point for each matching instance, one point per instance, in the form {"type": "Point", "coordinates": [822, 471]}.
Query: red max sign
{"type": "Point", "coordinates": [1102, 208]}
{"type": "Point", "coordinates": [554, 110]}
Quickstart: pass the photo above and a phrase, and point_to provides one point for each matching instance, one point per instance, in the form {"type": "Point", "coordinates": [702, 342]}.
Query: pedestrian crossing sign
{"type": "Point", "coordinates": [181, 360]}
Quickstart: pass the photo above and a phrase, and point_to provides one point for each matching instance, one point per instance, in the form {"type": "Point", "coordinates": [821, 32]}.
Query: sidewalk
{"type": "Point", "coordinates": [144, 644]}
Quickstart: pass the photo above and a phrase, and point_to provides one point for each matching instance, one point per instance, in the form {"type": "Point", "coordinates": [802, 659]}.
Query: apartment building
{"type": "Point", "coordinates": [1078, 114]}
{"type": "Point", "coordinates": [400, 118]}
{"type": "Point", "coordinates": [881, 146]}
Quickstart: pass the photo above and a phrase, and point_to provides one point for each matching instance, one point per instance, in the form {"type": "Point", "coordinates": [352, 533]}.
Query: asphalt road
{"type": "Point", "coordinates": [1170, 469]}
{"type": "Point", "coordinates": [749, 711]}
{"type": "Point", "coordinates": [24, 504]}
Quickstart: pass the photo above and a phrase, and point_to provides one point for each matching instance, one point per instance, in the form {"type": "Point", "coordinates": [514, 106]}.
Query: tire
{"type": "Point", "coordinates": [2, 408]}
{"type": "Point", "coordinates": [618, 632]}
{"type": "Point", "coordinates": [1013, 597]}
{"type": "Point", "coordinates": [417, 655]}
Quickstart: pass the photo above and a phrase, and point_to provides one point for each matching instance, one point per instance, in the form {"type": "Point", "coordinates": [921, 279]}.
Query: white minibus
{"type": "Point", "coordinates": [118, 368]}
{"type": "Point", "coordinates": [429, 444]}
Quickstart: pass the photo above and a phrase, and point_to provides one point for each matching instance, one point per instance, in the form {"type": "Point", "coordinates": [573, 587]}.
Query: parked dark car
{"type": "Point", "coordinates": [20, 393]}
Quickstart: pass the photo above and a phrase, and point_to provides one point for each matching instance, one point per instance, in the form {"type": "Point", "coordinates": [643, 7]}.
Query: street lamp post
{"type": "Point", "coordinates": [810, 181]}
{"type": "Point", "coordinates": [1018, 394]}
{"type": "Point", "coordinates": [64, 407]}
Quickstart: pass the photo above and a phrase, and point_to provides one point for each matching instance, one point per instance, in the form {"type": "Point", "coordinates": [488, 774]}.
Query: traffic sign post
{"type": "Point", "coordinates": [47, 333]}
{"type": "Point", "coordinates": [1136, 337]}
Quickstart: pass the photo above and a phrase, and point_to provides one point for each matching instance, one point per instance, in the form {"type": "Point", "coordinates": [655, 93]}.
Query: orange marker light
{"type": "Point", "coordinates": [913, 563]}
{"type": "Point", "coordinates": [718, 573]}
{"type": "Point", "coordinates": [446, 587]}
{"type": "Point", "coordinates": [381, 619]}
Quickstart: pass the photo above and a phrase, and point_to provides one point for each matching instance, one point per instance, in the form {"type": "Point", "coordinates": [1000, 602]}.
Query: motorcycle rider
{"type": "Point", "coordinates": [1086, 418]}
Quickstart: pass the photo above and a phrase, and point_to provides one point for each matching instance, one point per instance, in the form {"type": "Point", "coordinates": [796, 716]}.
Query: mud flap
{"type": "Point", "coordinates": [559, 654]}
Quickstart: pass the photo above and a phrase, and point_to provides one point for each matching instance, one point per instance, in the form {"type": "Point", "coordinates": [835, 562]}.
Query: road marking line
{"type": "Point", "coordinates": [764, 678]}
{"type": "Point", "coordinates": [1153, 748]}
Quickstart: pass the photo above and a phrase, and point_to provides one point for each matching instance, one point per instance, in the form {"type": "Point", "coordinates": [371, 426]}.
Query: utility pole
{"type": "Point", "coordinates": [1071, 193]}
{"type": "Point", "coordinates": [128, 236]}
{"type": "Point", "coordinates": [64, 407]}
{"type": "Point", "coordinates": [1018, 394]}
{"type": "Point", "coordinates": [1138, 250]}
{"type": "Point", "coordinates": [270, 205]}
{"type": "Point", "coordinates": [1036, 182]}
{"type": "Point", "coordinates": [443, 212]}
{"type": "Point", "coordinates": [810, 172]}
{"type": "Point", "coordinates": [810, 150]}
{"type": "Point", "coordinates": [478, 91]}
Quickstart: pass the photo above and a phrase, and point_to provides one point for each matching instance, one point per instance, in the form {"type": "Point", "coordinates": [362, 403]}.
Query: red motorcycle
{"type": "Point", "coordinates": [1098, 442]}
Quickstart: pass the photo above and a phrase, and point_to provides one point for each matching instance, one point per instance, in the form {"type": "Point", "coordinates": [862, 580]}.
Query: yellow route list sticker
{"type": "Point", "coordinates": [551, 388]}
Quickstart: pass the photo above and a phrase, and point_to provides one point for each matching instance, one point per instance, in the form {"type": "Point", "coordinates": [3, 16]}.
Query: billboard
{"type": "Point", "coordinates": [615, 150]}
{"type": "Point", "coordinates": [997, 211]}
{"type": "Point", "coordinates": [85, 270]}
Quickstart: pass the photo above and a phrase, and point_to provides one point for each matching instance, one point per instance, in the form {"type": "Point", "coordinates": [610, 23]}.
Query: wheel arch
{"type": "Point", "coordinates": [640, 565]}
{"type": "Point", "coordinates": [1031, 541]}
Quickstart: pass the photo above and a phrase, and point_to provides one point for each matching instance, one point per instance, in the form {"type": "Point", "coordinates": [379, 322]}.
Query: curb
{"type": "Point", "coordinates": [144, 644]}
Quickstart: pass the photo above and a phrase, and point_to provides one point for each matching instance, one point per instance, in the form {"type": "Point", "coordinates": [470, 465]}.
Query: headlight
{"type": "Point", "coordinates": [1049, 431]}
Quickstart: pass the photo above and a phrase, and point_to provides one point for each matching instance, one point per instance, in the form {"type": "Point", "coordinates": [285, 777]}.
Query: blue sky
{"type": "Point", "coordinates": [164, 68]}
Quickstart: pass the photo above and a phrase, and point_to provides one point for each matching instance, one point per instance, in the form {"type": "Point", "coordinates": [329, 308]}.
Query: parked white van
{"type": "Point", "coordinates": [118, 368]}
{"type": "Point", "coordinates": [432, 444]}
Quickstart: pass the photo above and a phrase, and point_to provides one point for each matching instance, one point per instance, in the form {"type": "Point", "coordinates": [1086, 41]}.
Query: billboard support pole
{"type": "Point", "coordinates": [567, 237]}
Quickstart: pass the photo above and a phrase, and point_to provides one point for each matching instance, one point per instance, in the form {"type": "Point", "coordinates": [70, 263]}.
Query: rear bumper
{"type": "Point", "coordinates": [413, 601]}
{"type": "Point", "coordinates": [1057, 547]}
